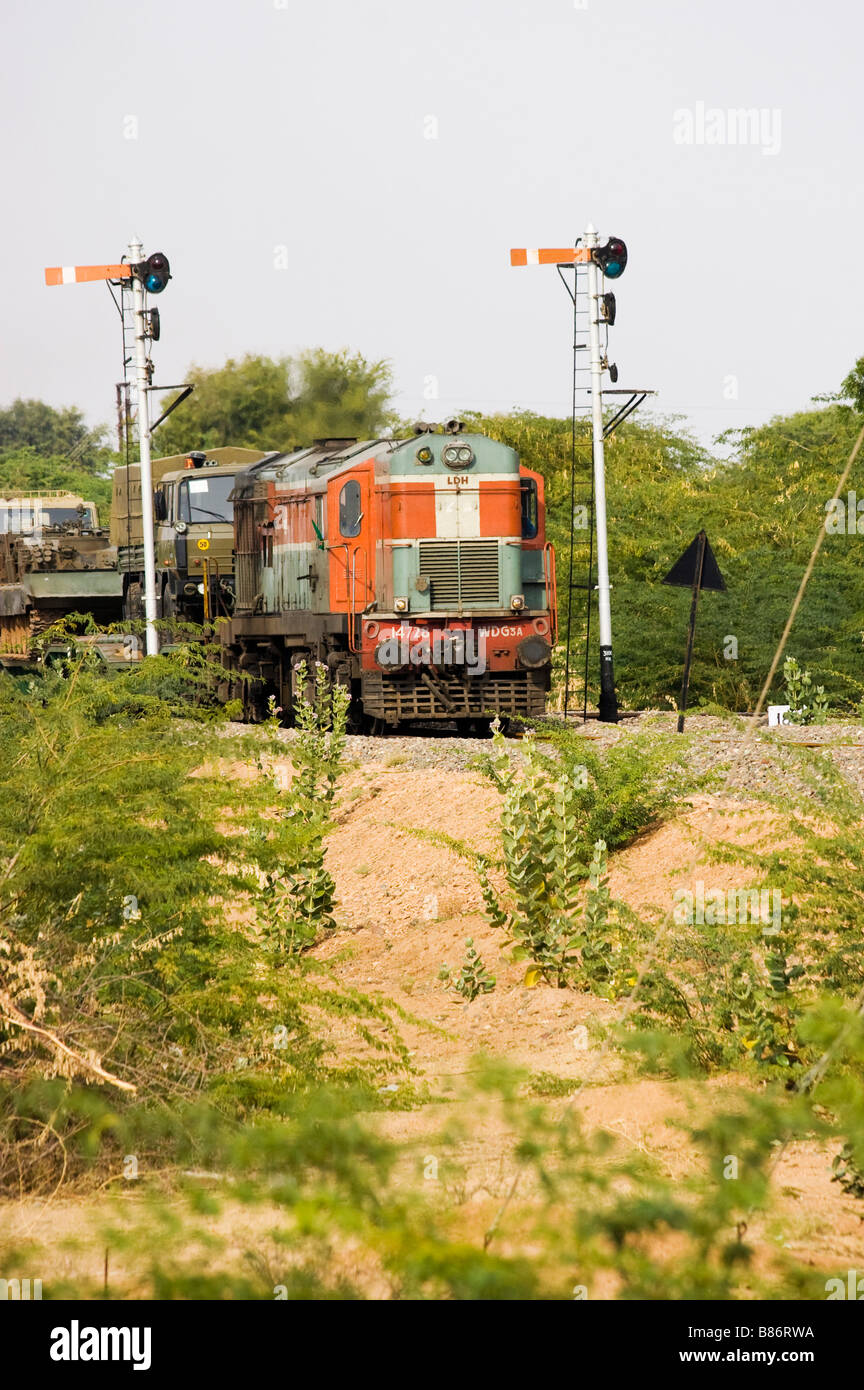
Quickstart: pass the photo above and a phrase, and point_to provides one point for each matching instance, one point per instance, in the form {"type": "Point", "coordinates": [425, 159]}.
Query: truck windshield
{"type": "Point", "coordinates": [206, 499]}
{"type": "Point", "coordinates": [59, 516]}
{"type": "Point", "coordinates": [26, 516]}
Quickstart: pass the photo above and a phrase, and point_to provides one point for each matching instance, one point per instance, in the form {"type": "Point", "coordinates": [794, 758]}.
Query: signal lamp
{"type": "Point", "coordinates": [517, 602]}
{"type": "Point", "coordinates": [425, 454]}
{"type": "Point", "coordinates": [401, 605]}
{"type": "Point", "coordinates": [611, 258]}
{"type": "Point", "coordinates": [155, 272]}
{"type": "Point", "coordinates": [607, 308]}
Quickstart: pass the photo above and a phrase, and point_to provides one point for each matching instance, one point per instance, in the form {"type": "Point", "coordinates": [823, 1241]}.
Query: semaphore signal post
{"type": "Point", "coordinates": [145, 276]}
{"type": "Point", "coordinates": [608, 260]}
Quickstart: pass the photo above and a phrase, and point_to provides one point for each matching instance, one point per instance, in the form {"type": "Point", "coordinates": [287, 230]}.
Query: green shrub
{"type": "Point", "coordinates": [806, 704]}
{"type": "Point", "coordinates": [473, 978]}
{"type": "Point", "coordinates": [134, 912]}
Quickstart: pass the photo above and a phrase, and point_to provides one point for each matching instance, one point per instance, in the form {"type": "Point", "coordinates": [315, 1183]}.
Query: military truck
{"type": "Point", "coordinates": [194, 532]}
{"type": "Point", "coordinates": [55, 559]}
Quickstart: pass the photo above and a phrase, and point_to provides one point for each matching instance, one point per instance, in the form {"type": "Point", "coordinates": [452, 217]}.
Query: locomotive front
{"type": "Point", "coordinates": [416, 572]}
{"type": "Point", "coordinates": [463, 621]}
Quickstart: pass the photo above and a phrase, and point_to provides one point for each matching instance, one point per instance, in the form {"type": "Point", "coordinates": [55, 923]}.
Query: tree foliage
{"type": "Point", "coordinates": [262, 403]}
{"type": "Point", "coordinates": [24, 470]}
{"type": "Point", "coordinates": [852, 386]}
{"type": "Point", "coordinates": [762, 508]}
{"type": "Point", "coordinates": [52, 432]}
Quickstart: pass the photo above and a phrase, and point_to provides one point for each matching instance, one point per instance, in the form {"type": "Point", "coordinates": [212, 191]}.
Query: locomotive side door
{"type": "Point", "coordinates": [351, 543]}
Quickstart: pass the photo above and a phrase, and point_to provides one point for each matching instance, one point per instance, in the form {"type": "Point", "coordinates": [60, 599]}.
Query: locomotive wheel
{"type": "Point", "coordinates": [356, 721]}
{"type": "Point", "coordinates": [483, 727]}
{"type": "Point", "coordinates": [372, 726]}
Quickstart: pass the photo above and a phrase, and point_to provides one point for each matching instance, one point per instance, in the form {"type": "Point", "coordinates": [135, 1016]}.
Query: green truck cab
{"type": "Point", "coordinates": [193, 532]}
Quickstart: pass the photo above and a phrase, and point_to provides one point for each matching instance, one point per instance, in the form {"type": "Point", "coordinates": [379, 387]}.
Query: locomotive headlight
{"type": "Point", "coordinates": [517, 602]}
{"type": "Point", "coordinates": [457, 455]}
{"type": "Point", "coordinates": [401, 605]}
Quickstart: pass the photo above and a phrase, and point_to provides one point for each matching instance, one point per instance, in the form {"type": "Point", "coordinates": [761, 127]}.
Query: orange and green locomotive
{"type": "Point", "coordinates": [415, 571]}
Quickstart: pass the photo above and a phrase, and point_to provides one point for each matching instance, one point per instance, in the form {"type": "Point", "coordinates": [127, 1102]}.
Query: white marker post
{"type": "Point", "coordinates": [608, 706]}
{"type": "Point", "coordinates": [142, 381]}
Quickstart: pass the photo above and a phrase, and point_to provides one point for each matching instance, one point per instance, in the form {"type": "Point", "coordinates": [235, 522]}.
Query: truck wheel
{"type": "Point", "coordinates": [133, 604]}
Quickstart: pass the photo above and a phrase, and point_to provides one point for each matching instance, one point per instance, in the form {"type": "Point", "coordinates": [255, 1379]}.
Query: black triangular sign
{"type": "Point", "coordinates": [683, 571]}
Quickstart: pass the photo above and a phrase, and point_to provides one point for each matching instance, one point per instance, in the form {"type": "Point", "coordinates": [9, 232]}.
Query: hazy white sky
{"type": "Point", "coordinates": [302, 125]}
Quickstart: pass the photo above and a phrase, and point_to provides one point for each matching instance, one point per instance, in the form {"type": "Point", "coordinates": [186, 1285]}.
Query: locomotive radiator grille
{"type": "Point", "coordinates": [461, 572]}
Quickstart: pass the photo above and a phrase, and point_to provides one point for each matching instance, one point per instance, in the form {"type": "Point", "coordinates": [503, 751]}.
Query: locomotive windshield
{"type": "Point", "coordinates": [206, 499]}
{"type": "Point", "coordinates": [528, 489]}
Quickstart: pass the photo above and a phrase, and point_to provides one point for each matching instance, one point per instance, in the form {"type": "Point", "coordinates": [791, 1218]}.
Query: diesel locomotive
{"type": "Point", "coordinates": [415, 571]}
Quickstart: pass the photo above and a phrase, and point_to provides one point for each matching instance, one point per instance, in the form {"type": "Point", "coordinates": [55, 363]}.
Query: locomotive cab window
{"type": "Point", "coordinates": [528, 493]}
{"type": "Point", "coordinates": [350, 514]}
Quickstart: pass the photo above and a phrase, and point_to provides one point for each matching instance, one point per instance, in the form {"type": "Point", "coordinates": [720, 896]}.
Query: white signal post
{"type": "Point", "coordinates": [608, 700]}
{"type": "Point", "coordinates": [142, 381]}
{"type": "Point", "coordinates": [583, 254]}
{"type": "Point", "coordinates": [80, 274]}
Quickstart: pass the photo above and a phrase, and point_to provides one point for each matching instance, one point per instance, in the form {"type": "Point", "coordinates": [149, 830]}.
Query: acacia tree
{"type": "Point", "coordinates": [48, 432]}
{"type": "Point", "coordinates": [259, 402]}
{"type": "Point", "coordinates": [852, 386]}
